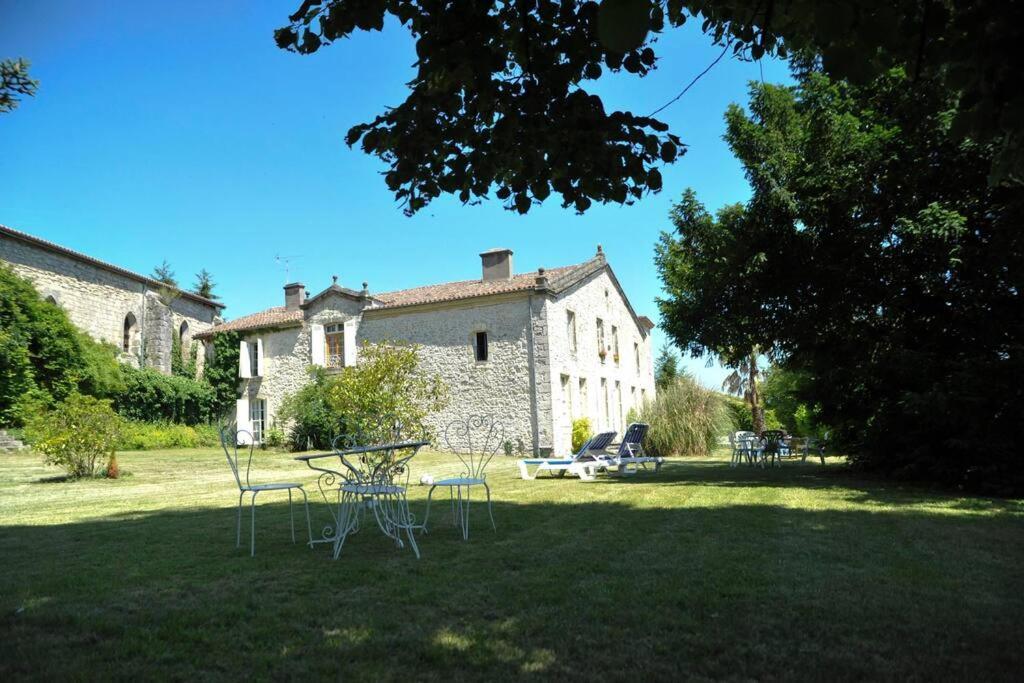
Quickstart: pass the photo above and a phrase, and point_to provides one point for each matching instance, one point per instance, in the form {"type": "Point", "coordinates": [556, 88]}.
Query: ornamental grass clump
{"type": "Point", "coordinates": [686, 418]}
{"type": "Point", "coordinates": [76, 433]}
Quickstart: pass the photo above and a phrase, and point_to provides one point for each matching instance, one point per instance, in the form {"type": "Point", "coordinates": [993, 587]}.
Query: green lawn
{"type": "Point", "coordinates": [702, 571]}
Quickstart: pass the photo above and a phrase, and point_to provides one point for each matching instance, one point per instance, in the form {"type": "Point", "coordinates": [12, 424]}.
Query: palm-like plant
{"type": "Point", "coordinates": [742, 381]}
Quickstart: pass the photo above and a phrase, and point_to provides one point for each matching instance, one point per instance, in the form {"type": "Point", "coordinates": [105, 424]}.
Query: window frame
{"type": "Point", "coordinates": [257, 415]}
{"type": "Point", "coordinates": [477, 336]}
{"type": "Point", "coordinates": [334, 333]}
{"type": "Point", "coordinates": [255, 369]}
{"type": "Point", "coordinates": [602, 352]}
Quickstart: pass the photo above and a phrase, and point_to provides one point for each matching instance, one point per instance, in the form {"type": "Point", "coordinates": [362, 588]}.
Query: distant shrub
{"type": "Point", "coordinates": [741, 419]}
{"type": "Point", "coordinates": [274, 438]}
{"type": "Point", "coordinates": [145, 436]}
{"type": "Point", "coordinates": [686, 418]}
{"type": "Point", "coordinates": [149, 396]}
{"type": "Point", "coordinates": [313, 423]}
{"type": "Point", "coordinates": [76, 433]}
{"type": "Point", "coordinates": [221, 371]}
{"type": "Point", "coordinates": [581, 431]}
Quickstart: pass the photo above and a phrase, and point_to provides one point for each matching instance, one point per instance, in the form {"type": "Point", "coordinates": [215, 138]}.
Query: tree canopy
{"type": "Point", "coordinates": [499, 98]}
{"type": "Point", "coordinates": [15, 83]}
{"type": "Point", "coordinates": [875, 258]}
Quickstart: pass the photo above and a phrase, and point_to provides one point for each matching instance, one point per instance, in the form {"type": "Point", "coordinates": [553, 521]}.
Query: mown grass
{"type": "Point", "coordinates": [701, 571]}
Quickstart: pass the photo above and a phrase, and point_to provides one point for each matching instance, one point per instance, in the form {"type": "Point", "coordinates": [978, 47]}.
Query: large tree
{"type": "Point", "coordinates": [499, 98]}
{"type": "Point", "coordinates": [875, 257]}
{"type": "Point", "coordinates": [15, 83]}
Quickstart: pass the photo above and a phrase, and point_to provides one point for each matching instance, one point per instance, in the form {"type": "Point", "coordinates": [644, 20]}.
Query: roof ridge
{"type": "Point", "coordinates": [59, 248]}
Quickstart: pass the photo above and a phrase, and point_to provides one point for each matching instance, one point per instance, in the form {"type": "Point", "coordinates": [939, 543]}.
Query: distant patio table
{"type": "Point", "coordinates": [365, 480]}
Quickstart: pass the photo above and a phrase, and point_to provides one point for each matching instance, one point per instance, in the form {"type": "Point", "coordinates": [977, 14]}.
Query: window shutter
{"type": "Point", "coordinates": [316, 336]}
{"type": "Point", "coordinates": [258, 370]}
{"type": "Point", "coordinates": [350, 343]}
{"type": "Point", "coordinates": [243, 363]}
{"type": "Point", "coordinates": [242, 422]}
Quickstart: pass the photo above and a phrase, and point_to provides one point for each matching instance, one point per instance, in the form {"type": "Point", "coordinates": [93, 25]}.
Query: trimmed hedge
{"type": "Point", "coordinates": [142, 436]}
{"type": "Point", "coordinates": [149, 396]}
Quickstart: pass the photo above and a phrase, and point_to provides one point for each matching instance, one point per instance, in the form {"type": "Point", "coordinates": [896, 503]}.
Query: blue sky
{"type": "Point", "coordinates": [179, 131]}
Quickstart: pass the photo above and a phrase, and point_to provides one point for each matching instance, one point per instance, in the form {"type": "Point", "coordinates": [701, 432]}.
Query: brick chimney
{"type": "Point", "coordinates": [294, 296]}
{"type": "Point", "coordinates": [497, 264]}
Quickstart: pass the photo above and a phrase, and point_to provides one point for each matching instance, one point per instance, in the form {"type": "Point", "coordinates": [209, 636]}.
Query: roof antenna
{"type": "Point", "coordinates": [287, 261]}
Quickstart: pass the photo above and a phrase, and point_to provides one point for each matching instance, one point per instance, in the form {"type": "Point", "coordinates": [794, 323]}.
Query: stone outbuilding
{"type": "Point", "coordinates": [538, 349]}
{"type": "Point", "coordinates": [137, 314]}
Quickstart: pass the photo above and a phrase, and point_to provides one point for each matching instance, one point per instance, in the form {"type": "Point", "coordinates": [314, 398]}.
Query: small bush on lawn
{"type": "Point", "coordinates": [685, 418]}
{"type": "Point", "coordinates": [581, 431]}
{"type": "Point", "coordinates": [76, 433]}
{"type": "Point", "coordinates": [144, 436]}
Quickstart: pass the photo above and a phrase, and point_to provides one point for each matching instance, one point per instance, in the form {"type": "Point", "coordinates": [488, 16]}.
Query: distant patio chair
{"type": "Point", "coordinates": [742, 443]}
{"type": "Point", "coordinates": [474, 442]}
{"type": "Point", "coordinates": [585, 463]}
{"type": "Point", "coordinates": [630, 452]}
{"type": "Point", "coordinates": [772, 446]}
{"type": "Point", "coordinates": [229, 440]}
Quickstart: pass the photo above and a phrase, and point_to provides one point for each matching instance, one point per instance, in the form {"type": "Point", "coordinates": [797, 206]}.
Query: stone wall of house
{"type": "Point", "coordinates": [499, 386]}
{"type": "Point", "coordinates": [287, 354]}
{"type": "Point", "coordinates": [98, 300]}
{"type": "Point", "coordinates": [622, 384]}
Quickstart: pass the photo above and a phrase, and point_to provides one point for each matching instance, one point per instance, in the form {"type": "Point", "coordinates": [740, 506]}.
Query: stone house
{"type": "Point", "coordinates": [539, 348]}
{"type": "Point", "coordinates": [111, 304]}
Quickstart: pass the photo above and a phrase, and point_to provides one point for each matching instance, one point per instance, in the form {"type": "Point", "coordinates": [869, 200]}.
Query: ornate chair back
{"type": "Point", "coordinates": [377, 466]}
{"type": "Point", "coordinates": [229, 441]}
{"type": "Point", "coordinates": [474, 441]}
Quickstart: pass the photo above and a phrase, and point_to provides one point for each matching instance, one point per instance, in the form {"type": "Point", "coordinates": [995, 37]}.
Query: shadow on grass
{"type": "Point", "coordinates": [570, 590]}
{"type": "Point", "coordinates": [855, 486]}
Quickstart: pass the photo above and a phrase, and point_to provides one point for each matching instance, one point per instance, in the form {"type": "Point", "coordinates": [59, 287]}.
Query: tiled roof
{"type": "Point", "coordinates": [279, 316]}
{"type": "Point", "coordinates": [558, 278]}
{"type": "Point", "coordinates": [78, 256]}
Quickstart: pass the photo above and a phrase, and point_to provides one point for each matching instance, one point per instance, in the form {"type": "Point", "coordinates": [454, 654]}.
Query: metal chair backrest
{"type": "Point", "coordinates": [772, 439]}
{"type": "Point", "coordinates": [632, 440]}
{"type": "Point", "coordinates": [229, 441]}
{"type": "Point", "coordinates": [474, 441]}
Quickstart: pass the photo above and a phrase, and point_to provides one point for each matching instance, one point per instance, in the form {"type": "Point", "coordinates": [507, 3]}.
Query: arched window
{"type": "Point", "coordinates": [130, 326]}
{"type": "Point", "coordinates": [51, 299]}
{"type": "Point", "coordinates": [185, 338]}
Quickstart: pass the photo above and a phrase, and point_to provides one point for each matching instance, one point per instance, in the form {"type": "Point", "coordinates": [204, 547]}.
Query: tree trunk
{"type": "Point", "coordinates": [756, 411]}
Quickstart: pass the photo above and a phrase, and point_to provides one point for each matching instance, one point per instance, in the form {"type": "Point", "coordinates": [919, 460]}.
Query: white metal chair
{"type": "Point", "coordinates": [474, 442]}
{"type": "Point", "coordinates": [229, 440]}
{"type": "Point", "coordinates": [585, 463]}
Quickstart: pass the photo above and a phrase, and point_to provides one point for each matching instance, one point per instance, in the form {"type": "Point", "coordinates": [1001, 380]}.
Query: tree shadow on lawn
{"type": "Point", "coordinates": [561, 590]}
{"type": "Point", "coordinates": [857, 487]}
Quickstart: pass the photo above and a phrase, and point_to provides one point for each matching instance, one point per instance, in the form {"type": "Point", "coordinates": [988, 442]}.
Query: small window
{"type": "Point", "coordinates": [615, 344]}
{"type": "Point", "coordinates": [130, 324]}
{"type": "Point", "coordinates": [480, 347]}
{"type": "Point", "coordinates": [570, 329]}
{"type": "Point", "coordinates": [602, 351]}
{"type": "Point", "coordinates": [254, 358]}
{"type": "Point", "coordinates": [636, 356]}
{"type": "Point", "coordinates": [607, 403]}
{"type": "Point", "coordinates": [257, 418]}
{"type": "Point", "coordinates": [584, 406]}
{"type": "Point", "coordinates": [334, 346]}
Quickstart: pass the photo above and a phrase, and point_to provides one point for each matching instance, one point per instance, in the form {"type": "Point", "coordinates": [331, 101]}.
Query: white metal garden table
{"type": "Point", "coordinates": [370, 480]}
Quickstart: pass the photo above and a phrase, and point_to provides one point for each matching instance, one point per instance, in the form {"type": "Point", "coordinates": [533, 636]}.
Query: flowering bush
{"type": "Point", "coordinates": [76, 433]}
